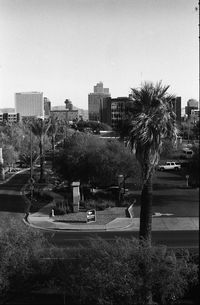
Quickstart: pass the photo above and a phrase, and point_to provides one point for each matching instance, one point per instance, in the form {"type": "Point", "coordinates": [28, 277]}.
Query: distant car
{"type": "Point", "coordinates": [187, 153]}
{"type": "Point", "coordinates": [169, 166]}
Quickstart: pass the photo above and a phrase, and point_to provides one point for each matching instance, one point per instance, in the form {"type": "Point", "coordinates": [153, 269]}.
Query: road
{"type": "Point", "coordinates": [12, 203]}
{"type": "Point", "coordinates": [11, 200]}
{"type": "Point", "coordinates": [173, 239]}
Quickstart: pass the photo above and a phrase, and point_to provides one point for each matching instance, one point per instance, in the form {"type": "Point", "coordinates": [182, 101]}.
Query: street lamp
{"type": "Point", "coordinates": [120, 184]}
{"type": "Point", "coordinates": [187, 178]}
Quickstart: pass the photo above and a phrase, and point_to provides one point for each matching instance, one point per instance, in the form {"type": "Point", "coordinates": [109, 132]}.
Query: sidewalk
{"type": "Point", "coordinates": [43, 221]}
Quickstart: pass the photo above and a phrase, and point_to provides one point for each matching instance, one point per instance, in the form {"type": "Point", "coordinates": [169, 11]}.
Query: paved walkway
{"type": "Point", "coordinates": [161, 223]}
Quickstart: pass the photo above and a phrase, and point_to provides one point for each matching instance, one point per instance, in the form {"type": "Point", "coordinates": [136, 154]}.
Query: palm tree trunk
{"type": "Point", "coordinates": [146, 211]}
{"type": "Point", "coordinates": [41, 160]}
{"type": "Point", "coordinates": [53, 150]}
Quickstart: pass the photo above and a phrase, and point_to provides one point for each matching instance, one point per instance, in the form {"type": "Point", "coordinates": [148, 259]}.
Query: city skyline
{"type": "Point", "coordinates": [63, 48]}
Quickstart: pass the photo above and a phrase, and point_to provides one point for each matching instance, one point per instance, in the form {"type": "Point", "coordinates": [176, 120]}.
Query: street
{"type": "Point", "coordinates": [168, 198]}
{"type": "Point", "coordinates": [173, 239]}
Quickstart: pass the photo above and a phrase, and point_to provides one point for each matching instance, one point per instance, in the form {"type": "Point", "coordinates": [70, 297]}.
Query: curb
{"type": "Point", "coordinates": [14, 174]}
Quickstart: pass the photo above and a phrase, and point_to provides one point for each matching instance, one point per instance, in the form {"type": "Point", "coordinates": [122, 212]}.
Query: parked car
{"type": "Point", "coordinates": [187, 153]}
{"type": "Point", "coordinates": [169, 165]}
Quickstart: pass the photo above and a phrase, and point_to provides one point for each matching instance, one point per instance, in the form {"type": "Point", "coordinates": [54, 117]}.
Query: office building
{"type": "Point", "coordinates": [9, 117]}
{"type": "Point", "coordinates": [119, 110]}
{"type": "Point", "coordinates": [96, 101]}
{"type": "Point", "coordinates": [176, 107]}
{"type": "Point", "coordinates": [47, 107]}
{"type": "Point", "coordinates": [192, 104]}
{"type": "Point", "coordinates": [29, 104]}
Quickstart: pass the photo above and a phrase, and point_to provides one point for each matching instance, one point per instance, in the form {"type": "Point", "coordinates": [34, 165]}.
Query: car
{"type": "Point", "coordinates": [187, 153]}
{"type": "Point", "coordinates": [169, 165]}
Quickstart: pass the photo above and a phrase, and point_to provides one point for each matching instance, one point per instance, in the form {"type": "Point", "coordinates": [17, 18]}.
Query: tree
{"type": "Point", "coordinates": [40, 127]}
{"type": "Point", "coordinates": [93, 160]}
{"type": "Point", "coordinates": [111, 272]}
{"type": "Point", "coordinates": [21, 250]}
{"type": "Point", "coordinates": [10, 155]}
{"type": "Point", "coordinates": [193, 168]}
{"type": "Point", "coordinates": [153, 121]}
{"type": "Point", "coordinates": [53, 129]}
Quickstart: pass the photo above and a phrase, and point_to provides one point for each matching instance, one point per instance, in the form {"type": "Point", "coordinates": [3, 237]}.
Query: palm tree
{"type": "Point", "coordinates": [153, 121]}
{"type": "Point", "coordinates": [40, 127]}
{"type": "Point", "coordinates": [53, 129]}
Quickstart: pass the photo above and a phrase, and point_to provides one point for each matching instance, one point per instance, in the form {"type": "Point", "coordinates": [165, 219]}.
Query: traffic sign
{"type": "Point", "coordinates": [91, 215]}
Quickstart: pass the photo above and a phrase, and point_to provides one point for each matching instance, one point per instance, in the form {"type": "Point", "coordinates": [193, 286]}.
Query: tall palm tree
{"type": "Point", "coordinates": [40, 127]}
{"type": "Point", "coordinates": [153, 121]}
{"type": "Point", "coordinates": [53, 129]}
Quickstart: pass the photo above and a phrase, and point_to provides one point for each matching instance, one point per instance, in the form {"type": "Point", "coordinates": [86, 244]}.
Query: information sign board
{"type": "Point", "coordinates": [91, 215]}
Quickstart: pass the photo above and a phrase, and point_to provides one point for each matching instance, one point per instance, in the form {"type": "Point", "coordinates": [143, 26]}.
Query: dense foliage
{"type": "Point", "coordinates": [93, 160]}
{"type": "Point", "coordinates": [21, 250]}
{"type": "Point", "coordinates": [117, 272]}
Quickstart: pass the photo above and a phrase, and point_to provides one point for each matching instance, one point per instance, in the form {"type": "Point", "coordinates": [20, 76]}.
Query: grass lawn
{"type": "Point", "coordinates": [102, 217]}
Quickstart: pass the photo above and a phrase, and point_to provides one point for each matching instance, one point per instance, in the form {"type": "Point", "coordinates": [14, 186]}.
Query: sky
{"type": "Point", "coordinates": [64, 47]}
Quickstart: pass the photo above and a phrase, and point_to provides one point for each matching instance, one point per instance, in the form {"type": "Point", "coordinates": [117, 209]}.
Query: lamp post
{"type": "Point", "coordinates": [187, 178]}
{"type": "Point", "coordinates": [31, 166]}
{"type": "Point", "coordinates": [2, 174]}
{"type": "Point", "coordinates": [120, 184]}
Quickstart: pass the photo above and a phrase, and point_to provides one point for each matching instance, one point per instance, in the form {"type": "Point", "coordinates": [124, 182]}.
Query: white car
{"type": "Point", "coordinates": [169, 166]}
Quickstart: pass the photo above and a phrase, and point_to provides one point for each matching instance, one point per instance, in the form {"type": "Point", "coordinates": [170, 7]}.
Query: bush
{"type": "Point", "coordinates": [61, 207]}
{"type": "Point", "coordinates": [99, 205]}
{"type": "Point", "coordinates": [123, 272]}
{"type": "Point", "coordinates": [21, 250]}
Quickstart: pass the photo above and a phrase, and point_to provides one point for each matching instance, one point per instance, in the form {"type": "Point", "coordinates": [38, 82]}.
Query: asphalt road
{"type": "Point", "coordinates": [173, 239]}
{"type": "Point", "coordinates": [11, 200]}
{"type": "Point", "coordinates": [12, 203]}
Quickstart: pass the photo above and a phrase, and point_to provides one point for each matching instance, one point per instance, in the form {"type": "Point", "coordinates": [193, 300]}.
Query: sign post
{"type": "Point", "coordinates": [91, 216]}
{"type": "Point", "coordinates": [187, 178]}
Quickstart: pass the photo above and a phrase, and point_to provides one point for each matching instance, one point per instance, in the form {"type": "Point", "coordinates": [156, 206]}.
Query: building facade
{"type": "Point", "coordinates": [29, 104]}
{"type": "Point", "coordinates": [97, 102]}
{"type": "Point", "coordinates": [176, 107]}
{"type": "Point", "coordinates": [191, 105]}
{"type": "Point", "coordinates": [119, 109]}
{"type": "Point", "coordinates": [9, 117]}
{"type": "Point", "coordinates": [47, 107]}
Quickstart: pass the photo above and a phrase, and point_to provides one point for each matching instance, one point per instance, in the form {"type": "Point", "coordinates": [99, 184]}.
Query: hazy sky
{"type": "Point", "coordinates": [64, 47]}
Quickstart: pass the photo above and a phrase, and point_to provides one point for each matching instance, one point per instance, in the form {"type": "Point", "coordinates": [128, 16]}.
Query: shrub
{"type": "Point", "coordinates": [61, 207]}
{"type": "Point", "coordinates": [123, 271]}
{"type": "Point", "coordinates": [99, 205]}
{"type": "Point", "coordinates": [21, 250]}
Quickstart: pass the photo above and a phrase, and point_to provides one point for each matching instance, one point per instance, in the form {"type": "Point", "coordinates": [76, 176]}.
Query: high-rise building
{"type": "Point", "coordinates": [176, 107]}
{"type": "Point", "coordinates": [29, 104]}
{"type": "Point", "coordinates": [191, 105]}
{"type": "Point", "coordinates": [96, 101]}
{"type": "Point", "coordinates": [119, 109]}
{"type": "Point", "coordinates": [47, 107]}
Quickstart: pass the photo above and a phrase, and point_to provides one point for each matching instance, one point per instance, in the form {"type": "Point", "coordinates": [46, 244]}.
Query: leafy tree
{"type": "Point", "coordinates": [10, 155]}
{"type": "Point", "coordinates": [21, 250]}
{"type": "Point", "coordinates": [193, 168]}
{"type": "Point", "coordinates": [96, 161]}
{"type": "Point", "coordinates": [81, 125]}
{"type": "Point", "coordinates": [153, 121]}
{"type": "Point", "coordinates": [113, 273]}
